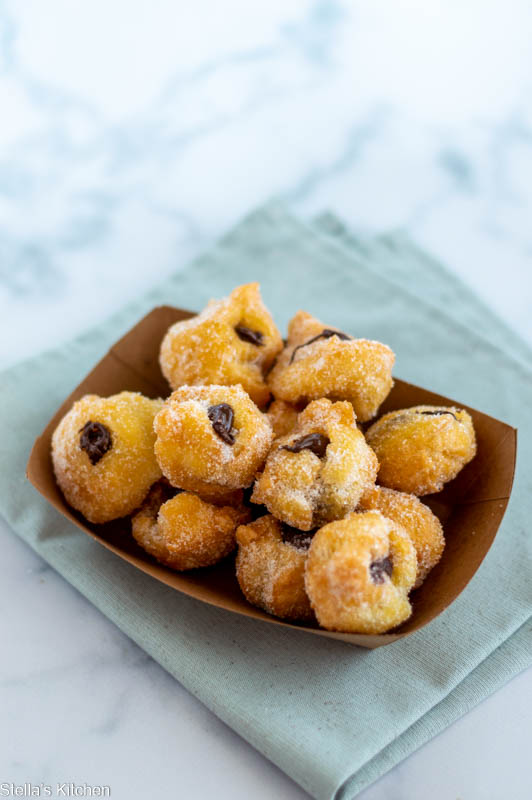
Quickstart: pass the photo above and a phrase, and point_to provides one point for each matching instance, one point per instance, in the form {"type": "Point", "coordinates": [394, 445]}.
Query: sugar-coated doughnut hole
{"type": "Point", "coordinates": [185, 532]}
{"type": "Point", "coordinates": [283, 417]}
{"type": "Point", "coordinates": [358, 574]}
{"type": "Point", "coordinates": [423, 527]}
{"type": "Point", "coordinates": [270, 568]}
{"type": "Point", "coordinates": [233, 340]}
{"type": "Point", "coordinates": [103, 454]}
{"type": "Point", "coordinates": [211, 439]}
{"type": "Point", "coordinates": [324, 362]}
{"type": "Point", "coordinates": [420, 449]}
{"type": "Point", "coordinates": [319, 471]}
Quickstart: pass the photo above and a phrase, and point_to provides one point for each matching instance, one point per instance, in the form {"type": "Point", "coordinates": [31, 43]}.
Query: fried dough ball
{"type": "Point", "coordinates": [319, 471]}
{"type": "Point", "coordinates": [283, 417]}
{"type": "Point", "coordinates": [185, 532]}
{"type": "Point", "coordinates": [423, 527]}
{"type": "Point", "coordinates": [270, 567]}
{"type": "Point", "coordinates": [233, 340]}
{"type": "Point", "coordinates": [211, 439]}
{"type": "Point", "coordinates": [358, 574]}
{"type": "Point", "coordinates": [103, 456]}
{"type": "Point", "coordinates": [235, 498]}
{"type": "Point", "coordinates": [422, 448]}
{"type": "Point", "coordinates": [324, 362]}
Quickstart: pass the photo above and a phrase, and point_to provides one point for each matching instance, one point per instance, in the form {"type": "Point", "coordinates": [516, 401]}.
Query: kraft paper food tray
{"type": "Point", "coordinates": [471, 507]}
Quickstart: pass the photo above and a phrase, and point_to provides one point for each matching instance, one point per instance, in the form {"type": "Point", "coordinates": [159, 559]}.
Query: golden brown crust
{"type": "Point", "coordinates": [420, 449]}
{"type": "Point", "coordinates": [359, 572]}
{"type": "Point", "coordinates": [232, 341]}
{"type": "Point", "coordinates": [357, 370]}
{"type": "Point", "coordinates": [283, 417]}
{"type": "Point", "coordinates": [306, 490]}
{"type": "Point", "coordinates": [423, 527]}
{"type": "Point", "coordinates": [185, 532]}
{"type": "Point", "coordinates": [115, 482]}
{"type": "Point", "coordinates": [271, 572]}
{"type": "Point", "coordinates": [193, 456]}
{"type": "Point", "coordinates": [335, 547]}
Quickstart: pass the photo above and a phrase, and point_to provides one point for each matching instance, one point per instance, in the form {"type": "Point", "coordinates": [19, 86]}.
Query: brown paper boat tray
{"type": "Point", "coordinates": [471, 507]}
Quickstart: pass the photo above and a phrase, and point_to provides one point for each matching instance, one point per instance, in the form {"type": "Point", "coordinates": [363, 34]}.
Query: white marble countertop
{"type": "Point", "coordinates": [131, 136]}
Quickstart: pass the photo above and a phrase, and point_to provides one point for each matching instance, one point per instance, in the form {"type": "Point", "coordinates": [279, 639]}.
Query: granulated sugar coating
{"type": "Point", "coordinates": [322, 362]}
{"type": "Point", "coordinates": [319, 471]}
{"type": "Point", "coordinates": [186, 532]}
{"type": "Point", "coordinates": [420, 449]}
{"type": "Point", "coordinates": [270, 571]}
{"type": "Point", "coordinates": [283, 417]}
{"type": "Point", "coordinates": [423, 527]}
{"type": "Point", "coordinates": [103, 456]}
{"type": "Point", "coordinates": [232, 341]}
{"type": "Point", "coordinates": [211, 439]}
{"type": "Point", "coordinates": [332, 541]}
{"type": "Point", "coordinates": [358, 574]}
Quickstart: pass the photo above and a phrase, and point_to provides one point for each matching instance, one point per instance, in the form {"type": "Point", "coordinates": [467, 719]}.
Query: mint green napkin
{"type": "Point", "coordinates": [332, 716]}
{"type": "Point", "coordinates": [397, 258]}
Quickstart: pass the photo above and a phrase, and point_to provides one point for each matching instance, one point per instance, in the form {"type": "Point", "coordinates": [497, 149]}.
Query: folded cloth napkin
{"type": "Point", "coordinates": [397, 258]}
{"type": "Point", "coordinates": [333, 716]}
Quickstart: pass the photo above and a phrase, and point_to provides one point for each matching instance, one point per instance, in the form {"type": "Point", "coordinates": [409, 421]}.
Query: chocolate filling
{"type": "Point", "coordinates": [437, 413]}
{"type": "Point", "coordinates": [96, 440]}
{"type": "Point", "coordinates": [221, 417]}
{"type": "Point", "coordinates": [316, 442]}
{"type": "Point", "coordinates": [299, 539]}
{"type": "Point", "coordinates": [325, 334]}
{"type": "Point", "coordinates": [379, 569]}
{"type": "Point", "coordinates": [247, 335]}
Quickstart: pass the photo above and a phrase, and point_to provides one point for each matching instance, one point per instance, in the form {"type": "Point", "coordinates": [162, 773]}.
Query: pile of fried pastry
{"type": "Point", "coordinates": [269, 446]}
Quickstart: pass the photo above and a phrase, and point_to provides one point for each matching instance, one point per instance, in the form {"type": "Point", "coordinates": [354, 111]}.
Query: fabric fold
{"type": "Point", "coordinates": [332, 716]}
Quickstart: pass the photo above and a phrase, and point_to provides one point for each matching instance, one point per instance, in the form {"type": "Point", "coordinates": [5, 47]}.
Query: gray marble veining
{"type": "Point", "coordinates": [131, 136]}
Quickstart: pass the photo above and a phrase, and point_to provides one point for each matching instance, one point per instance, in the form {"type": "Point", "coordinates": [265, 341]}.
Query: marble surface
{"type": "Point", "coordinates": [131, 136]}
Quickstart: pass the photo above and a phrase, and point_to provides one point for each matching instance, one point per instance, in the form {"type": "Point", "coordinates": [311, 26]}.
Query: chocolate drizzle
{"type": "Point", "coordinates": [325, 334]}
{"type": "Point", "coordinates": [95, 440]}
{"type": "Point", "coordinates": [379, 569]}
{"type": "Point", "coordinates": [316, 442]}
{"type": "Point", "coordinates": [299, 539]}
{"type": "Point", "coordinates": [247, 335]}
{"type": "Point", "coordinates": [437, 413]}
{"type": "Point", "coordinates": [221, 417]}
